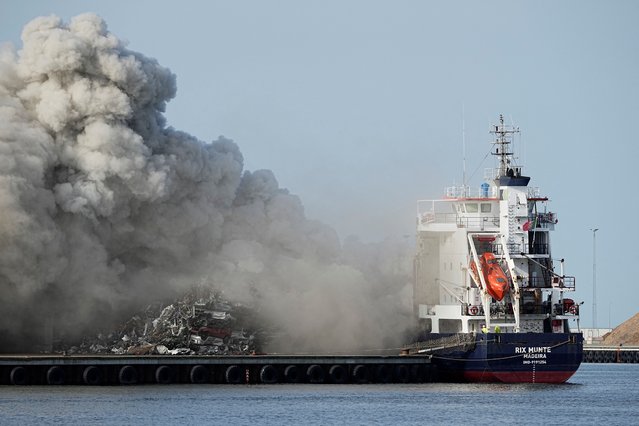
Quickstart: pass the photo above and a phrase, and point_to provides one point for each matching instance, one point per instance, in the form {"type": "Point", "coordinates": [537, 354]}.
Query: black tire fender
{"type": "Point", "coordinates": [291, 374]}
{"type": "Point", "coordinates": [55, 375]}
{"type": "Point", "coordinates": [164, 375]}
{"type": "Point", "coordinates": [233, 375]}
{"type": "Point", "coordinates": [92, 376]}
{"type": "Point", "coordinates": [18, 376]}
{"type": "Point", "coordinates": [128, 375]}
{"type": "Point", "coordinates": [315, 374]}
{"type": "Point", "coordinates": [199, 374]}
{"type": "Point", "coordinates": [268, 374]}
{"type": "Point", "coordinates": [338, 374]}
{"type": "Point", "coordinates": [360, 374]}
{"type": "Point", "coordinates": [598, 357]}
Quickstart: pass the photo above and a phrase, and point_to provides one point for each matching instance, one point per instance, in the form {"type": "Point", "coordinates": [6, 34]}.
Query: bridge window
{"type": "Point", "coordinates": [471, 208]}
{"type": "Point", "coordinates": [486, 207]}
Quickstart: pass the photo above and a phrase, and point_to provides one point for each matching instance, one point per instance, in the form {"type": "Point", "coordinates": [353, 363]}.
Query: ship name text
{"type": "Point", "coordinates": [532, 350]}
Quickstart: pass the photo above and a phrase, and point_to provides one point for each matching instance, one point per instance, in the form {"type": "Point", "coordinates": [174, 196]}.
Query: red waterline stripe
{"type": "Point", "coordinates": [518, 376]}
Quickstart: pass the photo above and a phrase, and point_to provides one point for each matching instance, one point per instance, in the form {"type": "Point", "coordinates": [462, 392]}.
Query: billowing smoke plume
{"type": "Point", "coordinates": [104, 208]}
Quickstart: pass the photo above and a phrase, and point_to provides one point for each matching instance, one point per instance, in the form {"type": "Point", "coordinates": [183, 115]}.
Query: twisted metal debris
{"type": "Point", "coordinates": [202, 322]}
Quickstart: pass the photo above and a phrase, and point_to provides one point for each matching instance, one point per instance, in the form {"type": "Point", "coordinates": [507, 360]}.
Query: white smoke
{"type": "Point", "coordinates": [104, 208]}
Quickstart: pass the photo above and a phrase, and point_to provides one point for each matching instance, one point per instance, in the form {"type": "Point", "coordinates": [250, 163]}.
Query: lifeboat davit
{"type": "Point", "coordinates": [495, 278]}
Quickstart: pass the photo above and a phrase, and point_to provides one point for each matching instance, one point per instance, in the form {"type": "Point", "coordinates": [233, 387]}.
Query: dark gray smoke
{"type": "Point", "coordinates": [105, 208]}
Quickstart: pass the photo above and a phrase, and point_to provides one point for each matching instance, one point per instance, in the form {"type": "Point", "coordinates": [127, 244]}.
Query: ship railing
{"type": "Point", "coordinates": [542, 221]}
{"type": "Point", "coordinates": [534, 192]}
{"type": "Point", "coordinates": [443, 211]}
{"type": "Point", "coordinates": [546, 308]}
{"type": "Point", "coordinates": [483, 191]}
{"type": "Point", "coordinates": [472, 223]}
{"type": "Point", "coordinates": [537, 282]}
{"type": "Point", "coordinates": [566, 309]}
{"type": "Point", "coordinates": [548, 217]}
{"type": "Point", "coordinates": [460, 221]}
{"type": "Point", "coordinates": [515, 249]}
{"type": "Point", "coordinates": [565, 283]}
{"type": "Point", "coordinates": [498, 248]}
{"type": "Point", "coordinates": [436, 211]}
{"type": "Point", "coordinates": [538, 248]}
{"type": "Point", "coordinates": [492, 173]}
{"type": "Point", "coordinates": [431, 217]}
{"type": "Point", "coordinates": [533, 308]}
{"type": "Point", "coordinates": [430, 209]}
{"type": "Point", "coordinates": [478, 223]}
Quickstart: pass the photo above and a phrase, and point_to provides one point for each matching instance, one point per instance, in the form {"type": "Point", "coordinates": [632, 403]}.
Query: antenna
{"type": "Point", "coordinates": [463, 147]}
{"type": "Point", "coordinates": [594, 278]}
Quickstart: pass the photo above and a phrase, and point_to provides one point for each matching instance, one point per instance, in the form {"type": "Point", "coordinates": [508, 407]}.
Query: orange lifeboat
{"type": "Point", "coordinates": [494, 276]}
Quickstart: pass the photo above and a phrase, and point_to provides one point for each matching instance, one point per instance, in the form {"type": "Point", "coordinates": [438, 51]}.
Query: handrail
{"type": "Point", "coordinates": [543, 308]}
{"type": "Point", "coordinates": [480, 222]}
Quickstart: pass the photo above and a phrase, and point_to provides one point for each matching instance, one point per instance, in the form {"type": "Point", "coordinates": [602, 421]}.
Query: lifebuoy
{"type": "Point", "coordinates": [573, 310]}
{"type": "Point", "coordinates": [473, 310]}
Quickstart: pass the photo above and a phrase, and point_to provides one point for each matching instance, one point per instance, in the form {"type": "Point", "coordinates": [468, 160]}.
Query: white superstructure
{"type": "Point", "coordinates": [504, 218]}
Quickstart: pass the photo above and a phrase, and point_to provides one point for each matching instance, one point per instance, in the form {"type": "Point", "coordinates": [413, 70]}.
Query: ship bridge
{"type": "Point", "coordinates": [483, 255]}
{"type": "Point", "coordinates": [460, 208]}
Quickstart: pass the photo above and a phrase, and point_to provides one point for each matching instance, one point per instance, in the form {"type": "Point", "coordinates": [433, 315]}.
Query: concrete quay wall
{"type": "Point", "coordinates": [266, 369]}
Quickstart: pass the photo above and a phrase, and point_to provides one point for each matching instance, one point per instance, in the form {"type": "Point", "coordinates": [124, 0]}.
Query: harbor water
{"type": "Point", "coordinates": [596, 394]}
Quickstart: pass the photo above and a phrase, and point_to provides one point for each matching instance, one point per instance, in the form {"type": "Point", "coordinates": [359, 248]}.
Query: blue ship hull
{"type": "Point", "coordinates": [510, 357]}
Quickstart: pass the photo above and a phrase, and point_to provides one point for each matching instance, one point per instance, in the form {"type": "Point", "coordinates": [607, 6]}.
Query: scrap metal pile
{"type": "Point", "coordinates": [201, 322]}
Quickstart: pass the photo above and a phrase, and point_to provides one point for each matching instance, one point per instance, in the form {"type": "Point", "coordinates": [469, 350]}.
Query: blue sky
{"type": "Point", "coordinates": [357, 106]}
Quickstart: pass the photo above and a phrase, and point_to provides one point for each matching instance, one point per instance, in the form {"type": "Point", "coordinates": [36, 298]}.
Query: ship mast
{"type": "Point", "coordinates": [503, 148]}
{"type": "Point", "coordinates": [508, 174]}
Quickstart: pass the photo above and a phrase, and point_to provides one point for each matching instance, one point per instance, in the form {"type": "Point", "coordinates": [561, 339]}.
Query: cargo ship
{"type": "Point", "coordinates": [491, 301]}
